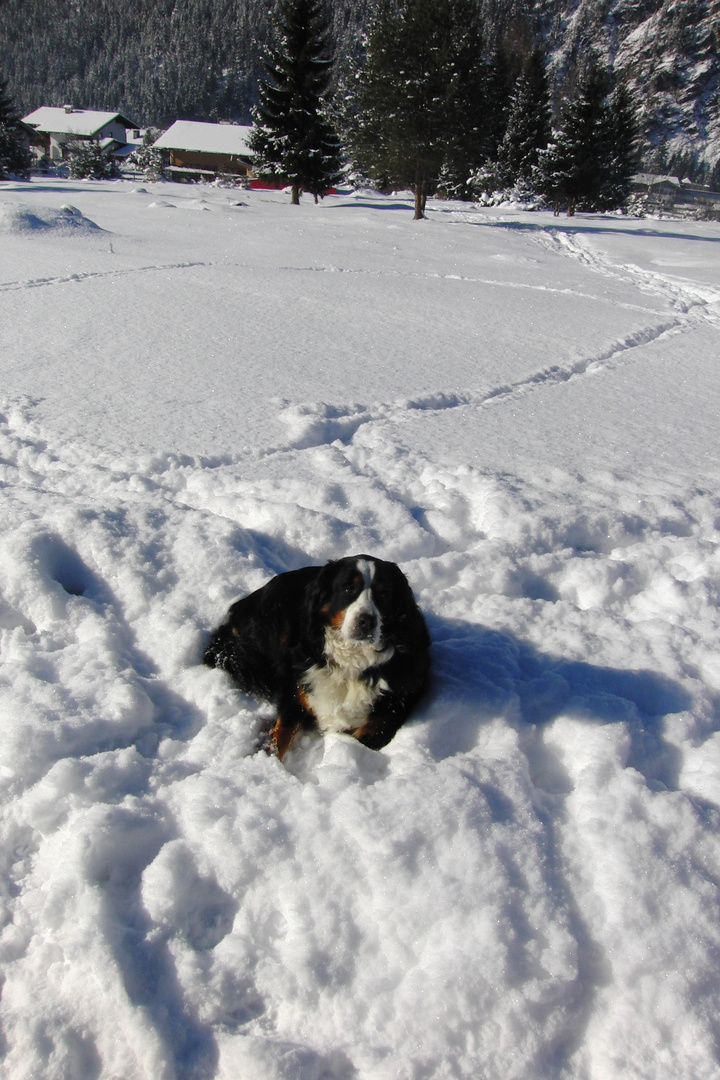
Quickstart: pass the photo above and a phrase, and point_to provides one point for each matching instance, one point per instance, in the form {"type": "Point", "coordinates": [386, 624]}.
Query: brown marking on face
{"type": "Point", "coordinates": [337, 619]}
{"type": "Point", "coordinates": [234, 630]}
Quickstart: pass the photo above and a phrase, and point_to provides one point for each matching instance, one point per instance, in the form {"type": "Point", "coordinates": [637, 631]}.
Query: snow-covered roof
{"type": "Point", "coordinates": [654, 178]}
{"type": "Point", "coordinates": [73, 121]}
{"type": "Point", "coordinates": [206, 138]}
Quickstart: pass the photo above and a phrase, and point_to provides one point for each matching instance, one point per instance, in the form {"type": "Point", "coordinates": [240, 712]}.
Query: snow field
{"type": "Point", "coordinates": [524, 883]}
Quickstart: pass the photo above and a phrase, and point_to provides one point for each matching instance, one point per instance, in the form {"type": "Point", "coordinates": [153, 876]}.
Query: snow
{"type": "Point", "coordinates": [522, 411]}
{"type": "Point", "coordinates": [87, 122]}
{"type": "Point", "coordinates": [207, 138]}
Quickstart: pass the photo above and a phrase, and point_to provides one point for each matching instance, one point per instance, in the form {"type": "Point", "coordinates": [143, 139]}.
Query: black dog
{"type": "Point", "coordinates": [343, 647]}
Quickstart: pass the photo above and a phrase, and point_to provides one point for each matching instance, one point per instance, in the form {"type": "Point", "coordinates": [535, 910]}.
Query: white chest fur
{"type": "Point", "coordinates": [340, 700]}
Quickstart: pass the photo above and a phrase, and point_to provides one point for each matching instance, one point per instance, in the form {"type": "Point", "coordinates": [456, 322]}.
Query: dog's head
{"type": "Point", "coordinates": [363, 600]}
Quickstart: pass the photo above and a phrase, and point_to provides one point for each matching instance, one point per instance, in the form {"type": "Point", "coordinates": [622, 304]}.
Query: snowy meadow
{"type": "Point", "coordinates": [201, 388]}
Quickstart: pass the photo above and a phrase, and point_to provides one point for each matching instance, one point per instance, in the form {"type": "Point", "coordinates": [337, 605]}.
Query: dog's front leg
{"type": "Point", "coordinates": [281, 737]}
{"type": "Point", "coordinates": [294, 715]}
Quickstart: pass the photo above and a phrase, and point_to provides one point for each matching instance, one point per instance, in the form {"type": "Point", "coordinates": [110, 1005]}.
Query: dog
{"type": "Point", "coordinates": [342, 647]}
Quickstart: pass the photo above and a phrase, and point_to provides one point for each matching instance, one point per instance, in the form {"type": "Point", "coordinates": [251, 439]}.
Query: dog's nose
{"type": "Point", "coordinates": [366, 623]}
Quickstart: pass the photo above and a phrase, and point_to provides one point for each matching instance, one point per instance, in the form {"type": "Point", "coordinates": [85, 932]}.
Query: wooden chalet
{"type": "Point", "coordinates": [200, 151]}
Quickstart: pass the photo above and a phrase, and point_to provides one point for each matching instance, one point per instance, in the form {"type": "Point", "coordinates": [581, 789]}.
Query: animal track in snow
{"type": "Point", "coordinates": [318, 425]}
{"type": "Point", "coordinates": [687, 297]}
{"type": "Point", "coordinates": [35, 283]}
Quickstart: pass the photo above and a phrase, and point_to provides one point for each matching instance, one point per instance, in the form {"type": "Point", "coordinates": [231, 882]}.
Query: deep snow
{"type": "Point", "coordinates": [201, 388]}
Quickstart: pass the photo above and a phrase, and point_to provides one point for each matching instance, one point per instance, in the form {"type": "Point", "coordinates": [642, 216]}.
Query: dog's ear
{"type": "Point", "coordinates": [317, 596]}
{"type": "Point", "coordinates": [319, 590]}
{"type": "Point", "coordinates": [401, 615]}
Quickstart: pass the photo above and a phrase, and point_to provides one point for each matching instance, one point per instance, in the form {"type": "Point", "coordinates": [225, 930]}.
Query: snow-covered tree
{"type": "Point", "coordinates": [620, 143]}
{"type": "Point", "coordinates": [292, 136]}
{"type": "Point", "coordinates": [468, 101]}
{"type": "Point", "coordinates": [420, 108]}
{"type": "Point", "coordinates": [88, 161]}
{"type": "Point", "coordinates": [591, 157]}
{"type": "Point", "coordinates": [14, 154]}
{"type": "Point", "coordinates": [570, 168]}
{"type": "Point", "coordinates": [529, 124]}
{"type": "Point", "coordinates": [147, 158]}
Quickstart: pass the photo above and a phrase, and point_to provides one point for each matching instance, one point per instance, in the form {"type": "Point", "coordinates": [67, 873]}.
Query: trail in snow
{"type": "Point", "coordinates": [689, 297]}
{"type": "Point", "coordinates": [315, 425]}
{"type": "Point", "coordinates": [9, 286]}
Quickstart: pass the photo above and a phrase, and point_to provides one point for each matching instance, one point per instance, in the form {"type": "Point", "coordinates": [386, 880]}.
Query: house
{"type": "Point", "coordinates": [201, 151]}
{"type": "Point", "coordinates": [667, 191]}
{"type": "Point", "coordinates": [660, 190]}
{"type": "Point", "coordinates": [696, 195]}
{"type": "Point", "coordinates": [55, 128]}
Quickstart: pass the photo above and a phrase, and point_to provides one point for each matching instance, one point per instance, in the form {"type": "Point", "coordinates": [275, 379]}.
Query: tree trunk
{"type": "Point", "coordinates": [420, 199]}
{"type": "Point", "coordinates": [295, 200]}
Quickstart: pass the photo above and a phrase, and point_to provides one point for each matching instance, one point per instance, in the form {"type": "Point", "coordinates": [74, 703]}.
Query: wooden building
{"type": "Point", "coordinates": [199, 151]}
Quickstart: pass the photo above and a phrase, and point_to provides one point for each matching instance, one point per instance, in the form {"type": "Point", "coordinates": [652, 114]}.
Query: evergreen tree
{"type": "Point", "coordinates": [528, 124]}
{"type": "Point", "coordinates": [619, 145]}
{"type": "Point", "coordinates": [15, 156]}
{"type": "Point", "coordinates": [592, 157]}
{"type": "Point", "coordinates": [87, 160]}
{"type": "Point", "coordinates": [468, 118]}
{"type": "Point", "coordinates": [574, 167]}
{"type": "Point", "coordinates": [657, 160]}
{"type": "Point", "coordinates": [292, 138]}
{"type": "Point", "coordinates": [714, 177]}
{"type": "Point", "coordinates": [529, 127]}
{"type": "Point", "coordinates": [501, 82]}
{"type": "Point", "coordinates": [147, 158]}
{"type": "Point", "coordinates": [421, 96]}
{"type": "Point", "coordinates": [399, 139]}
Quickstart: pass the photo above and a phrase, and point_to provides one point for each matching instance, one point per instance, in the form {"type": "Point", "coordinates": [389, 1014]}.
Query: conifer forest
{"type": "Point", "coordinates": [510, 73]}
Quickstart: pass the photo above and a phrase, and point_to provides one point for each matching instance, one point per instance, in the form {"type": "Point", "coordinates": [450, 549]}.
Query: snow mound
{"type": "Point", "coordinates": [23, 219]}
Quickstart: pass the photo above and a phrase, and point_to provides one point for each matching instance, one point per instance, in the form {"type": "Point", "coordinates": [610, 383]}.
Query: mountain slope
{"type": "Point", "coordinates": [161, 60]}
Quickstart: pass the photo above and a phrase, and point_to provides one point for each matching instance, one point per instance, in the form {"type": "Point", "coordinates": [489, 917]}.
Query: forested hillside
{"type": "Point", "coordinates": [159, 60]}
{"type": "Point", "coordinates": [156, 60]}
{"type": "Point", "coordinates": [667, 50]}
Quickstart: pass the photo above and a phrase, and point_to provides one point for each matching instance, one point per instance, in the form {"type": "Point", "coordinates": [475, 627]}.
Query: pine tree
{"type": "Point", "coordinates": [619, 143]}
{"type": "Point", "coordinates": [15, 156]}
{"type": "Point", "coordinates": [714, 177]}
{"type": "Point", "coordinates": [468, 130]}
{"type": "Point", "coordinates": [501, 82]}
{"type": "Point", "coordinates": [87, 160]}
{"type": "Point", "coordinates": [572, 168]}
{"type": "Point", "coordinates": [422, 90]}
{"type": "Point", "coordinates": [529, 126]}
{"type": "Point", "coordinates": [399, 140]}
{"type": "Point", "coordinates": [292, 137]}
{"type": "Point", "coordinates": [657, 161]}
{"type": "Point", "coordinates": [147, 158]}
